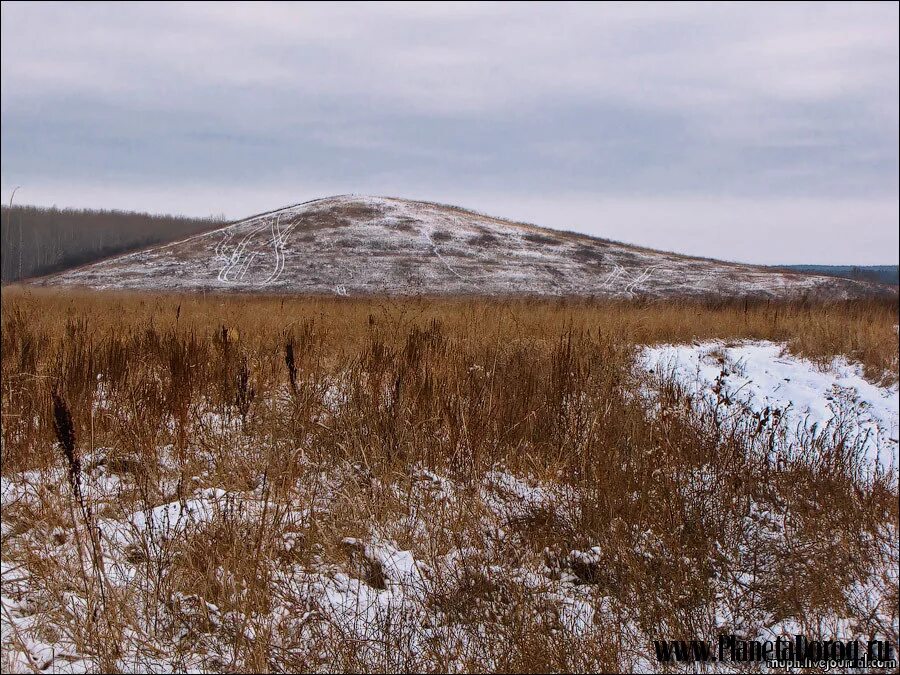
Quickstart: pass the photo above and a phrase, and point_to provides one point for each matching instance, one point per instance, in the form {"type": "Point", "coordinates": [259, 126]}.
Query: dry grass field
{"type": "Point", "coordinates": [236, 484]}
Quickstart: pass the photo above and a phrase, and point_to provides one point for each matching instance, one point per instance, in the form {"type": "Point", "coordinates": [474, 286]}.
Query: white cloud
{"type": "Point", "coordinates": [761, 104]}
{"type": "Point", "coordinates": [463, 57]}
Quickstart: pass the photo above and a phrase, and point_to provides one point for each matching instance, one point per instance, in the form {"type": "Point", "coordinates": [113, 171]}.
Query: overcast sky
{"type": "Point", "coordinates": [762, 133]}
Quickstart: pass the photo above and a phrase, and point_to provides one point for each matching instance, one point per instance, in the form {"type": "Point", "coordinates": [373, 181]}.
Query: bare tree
{"type": "Point", "coordinates": [56, 239]}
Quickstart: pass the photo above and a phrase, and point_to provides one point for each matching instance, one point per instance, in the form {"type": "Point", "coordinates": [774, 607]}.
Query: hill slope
{"type": "Point", "coordinates": [372, 245]}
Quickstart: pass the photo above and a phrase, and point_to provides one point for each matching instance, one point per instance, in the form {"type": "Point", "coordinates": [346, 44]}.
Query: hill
{"type": "Point", "coordinates": [352, 245]}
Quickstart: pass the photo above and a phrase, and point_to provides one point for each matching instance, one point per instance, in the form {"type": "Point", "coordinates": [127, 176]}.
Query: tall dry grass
{"type": "Point", "coordinates": [862, 330]}
{"type": "Point", "coordinates": [333, 420]}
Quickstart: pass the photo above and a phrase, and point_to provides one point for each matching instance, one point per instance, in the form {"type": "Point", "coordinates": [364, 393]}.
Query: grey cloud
{"type": "Point", "coordinates": [504, 104]}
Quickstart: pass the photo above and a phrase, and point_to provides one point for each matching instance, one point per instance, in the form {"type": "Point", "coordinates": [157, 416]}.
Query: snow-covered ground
{"type": "Point", "coordinates": [410, 591]}
{"type": "Point", "coordinates": [384, 600]}
{"type": "Point", "coordinates": [809, 399]}
{"type": "Point", "coordinates": [377, 245]}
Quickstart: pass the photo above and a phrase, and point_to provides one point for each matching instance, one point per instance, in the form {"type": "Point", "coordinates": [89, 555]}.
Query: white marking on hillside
{"type": "Point", "coordinates": [613, 276]}
{"type": "Point", "coordinates": [235, 259]}
{"type": "Point", "coordinates": [279, 239]}
{"type": "Point", "coordinates": [247, 264]}
{"type": "Point", "coordinates": [640, 279]}
{"type": "Point", "coordinates": [440, 257]}
{"type": "Point", "coordinates": [227, 236]}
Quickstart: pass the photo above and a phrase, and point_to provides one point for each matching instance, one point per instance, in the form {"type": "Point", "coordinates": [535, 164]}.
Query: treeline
{"type": "Point", "coordinates": [37, 240]}
{"type": "Point", "coordinates": [882, 275]}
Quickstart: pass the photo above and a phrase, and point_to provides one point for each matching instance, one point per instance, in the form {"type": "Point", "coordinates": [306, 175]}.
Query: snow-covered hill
{"type": "Point", "coordinates": [351, 245]}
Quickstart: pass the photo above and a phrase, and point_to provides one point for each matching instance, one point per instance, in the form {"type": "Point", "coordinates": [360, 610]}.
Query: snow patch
{"type": "Point", "coordinates": [762, 375]}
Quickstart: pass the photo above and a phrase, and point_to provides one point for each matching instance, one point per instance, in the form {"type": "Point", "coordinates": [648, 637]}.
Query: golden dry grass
{"type": "Point", "coordinates": [335, 425]}
{"type": "Point", "coordinates": [862, 330]}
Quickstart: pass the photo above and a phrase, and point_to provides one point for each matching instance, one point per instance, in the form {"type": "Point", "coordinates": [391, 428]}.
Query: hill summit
{"type": "Point", "coordinates": [353, 245]}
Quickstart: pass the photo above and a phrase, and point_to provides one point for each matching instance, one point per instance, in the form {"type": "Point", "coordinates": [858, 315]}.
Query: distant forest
{"type": "Point", "coordinates": [36, 240]}
{"type": "Point", "coordinates": [883, 274]}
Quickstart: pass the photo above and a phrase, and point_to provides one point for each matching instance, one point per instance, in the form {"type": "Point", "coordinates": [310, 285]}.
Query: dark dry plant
{"type": "Point", "coordinates": [65, 434]}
